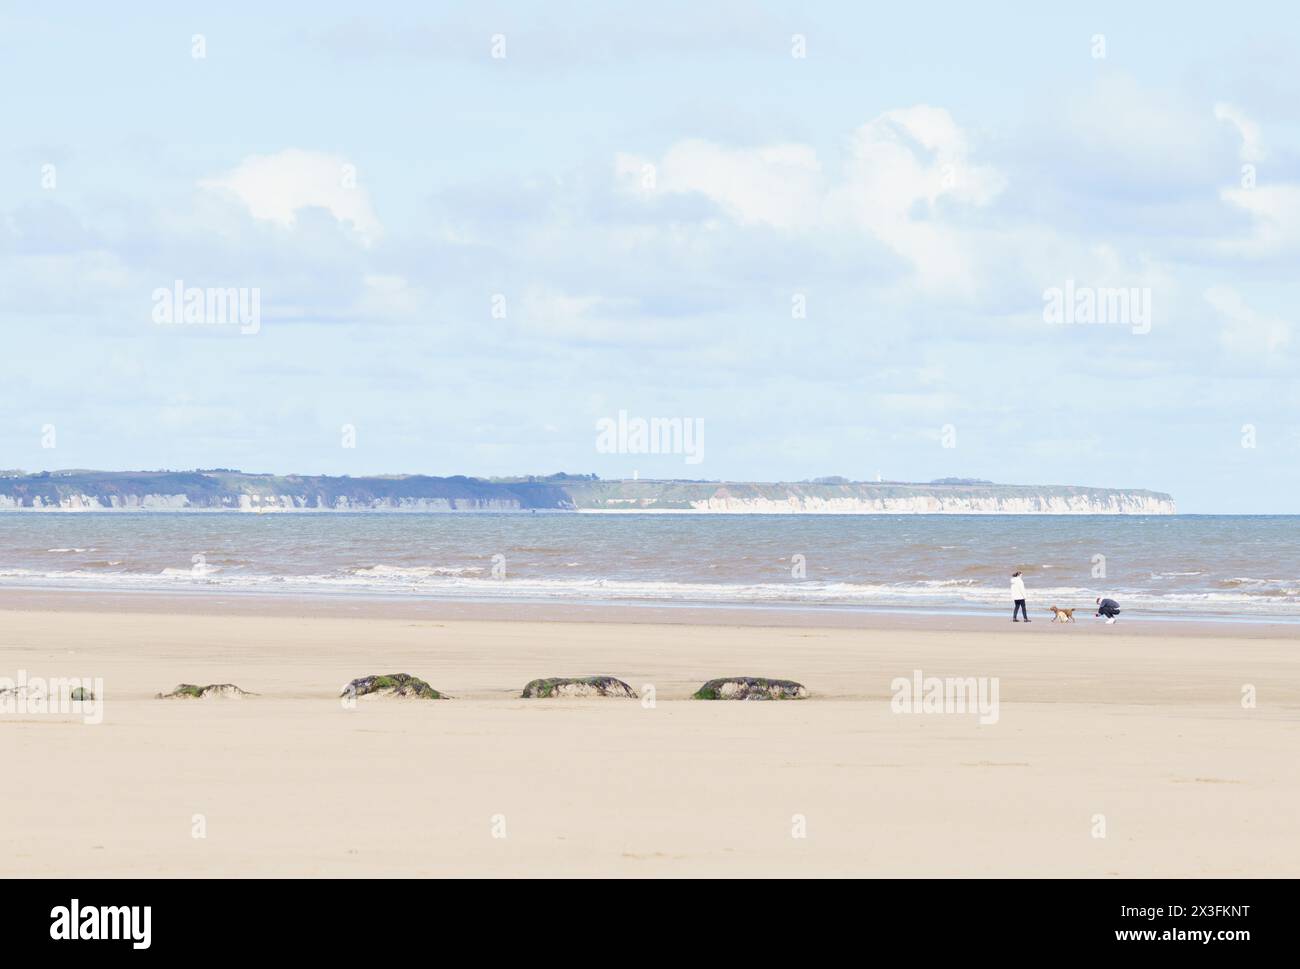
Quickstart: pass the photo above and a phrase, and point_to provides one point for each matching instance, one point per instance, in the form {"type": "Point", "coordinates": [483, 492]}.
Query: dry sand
{"type": "Point", "coordinates": [1143, 724]}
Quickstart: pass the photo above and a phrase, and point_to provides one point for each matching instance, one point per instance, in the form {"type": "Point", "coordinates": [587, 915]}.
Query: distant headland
{"type": "Point", "coordinates": [221, 489]}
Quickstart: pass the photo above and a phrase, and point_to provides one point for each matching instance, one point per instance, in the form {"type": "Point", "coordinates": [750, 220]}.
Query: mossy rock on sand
{"type": "Point", "coordinates": [220, 691]}
{"type": "Point", "coordinates": [22, 692]}
{"type": "Point", "coordinates": [750, 688]}
{"type": "Point", "coordinates": [578, 686]}
{"type": "Point", "coordinates": [393, 684]}
{"type": "Point", "coordinates": [81, 694]}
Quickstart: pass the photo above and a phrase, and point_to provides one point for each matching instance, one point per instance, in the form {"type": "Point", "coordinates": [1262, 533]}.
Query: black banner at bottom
{"type": "Point", "coordinates": [335, 917]}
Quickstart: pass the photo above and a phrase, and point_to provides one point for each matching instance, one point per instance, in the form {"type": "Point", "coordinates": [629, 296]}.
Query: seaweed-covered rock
{"type": "Point", "coordinates": [393, 684]}
{"type": "Point", "coordinates": [81, 694]}
{"type": "Point", "coordinates": [188, 691]}
{"type": "Point", "coordinates": [750, 688]}
{"type": "Point", "coordinates": [580, 686]}
{"type": "Point", "coordinates": [25, 692]}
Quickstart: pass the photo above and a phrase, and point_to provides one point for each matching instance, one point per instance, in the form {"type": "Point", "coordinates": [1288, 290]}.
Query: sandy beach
{"type": "Point", "coordinates": [1137, 731]}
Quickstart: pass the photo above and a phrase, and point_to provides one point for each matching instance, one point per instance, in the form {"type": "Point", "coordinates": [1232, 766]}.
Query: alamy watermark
{"type": "Point", "coordinates": [40, 696]}
{"type": "Point", "coordinates": [1084, 305]}
{"type": "Point", "coordinates": [946, 694]}
{"type": "Point", "coordinates": [75, 922]}
{"type": "Point", "coordinates": [183, 305]}
{"type": "Point", "coordinates": [655, 435]}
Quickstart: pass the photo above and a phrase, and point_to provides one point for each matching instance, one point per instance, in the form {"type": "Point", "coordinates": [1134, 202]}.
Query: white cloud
{"type": "Point", "coordinates": [902, 170]}
{"type": "Point", "coordinates": [559, 314]}
{"type": "Point", "coordinates": [1250, 145]}
{"type": "Point", "coordinates": [777, 185]}
{"type": "Point", "coordinates": [1124, 129]}
{"type": "Point", "coordinates": [1274, 207]}
{"type": "Point", "coordinates": [276, 187]}
{"type": "Point", "coordinates": [903, 164]}
{"type": "Point", "coordinates": [1276, 213]}
{"type": "Point", "coordinates": [1247, 332]}
{"type": "Point", "coordinates": [388, 297]}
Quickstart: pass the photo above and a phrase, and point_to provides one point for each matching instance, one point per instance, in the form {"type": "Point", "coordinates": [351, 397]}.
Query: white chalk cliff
{"type": "Point", "coordinates": [233, 491]}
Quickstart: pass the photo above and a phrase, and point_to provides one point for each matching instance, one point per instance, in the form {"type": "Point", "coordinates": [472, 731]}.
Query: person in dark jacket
{"type": "Point", "coordinates": [1108, 608]}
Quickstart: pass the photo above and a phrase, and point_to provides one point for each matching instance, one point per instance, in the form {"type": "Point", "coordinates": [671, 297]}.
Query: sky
{"type": "Point", "coordinates": [826, 234]}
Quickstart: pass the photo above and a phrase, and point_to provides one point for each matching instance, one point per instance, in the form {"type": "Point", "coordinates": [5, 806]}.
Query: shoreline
{"type": "Point", "coordinates": [622, 612]}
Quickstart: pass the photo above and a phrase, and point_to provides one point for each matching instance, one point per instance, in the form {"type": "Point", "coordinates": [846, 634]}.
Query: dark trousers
{"type": "Point", "coordinates": [1019, 608]}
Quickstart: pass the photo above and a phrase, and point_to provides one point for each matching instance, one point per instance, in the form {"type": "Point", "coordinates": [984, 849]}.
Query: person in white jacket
{"type": "Point", "coordinates": [1018, 597]}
